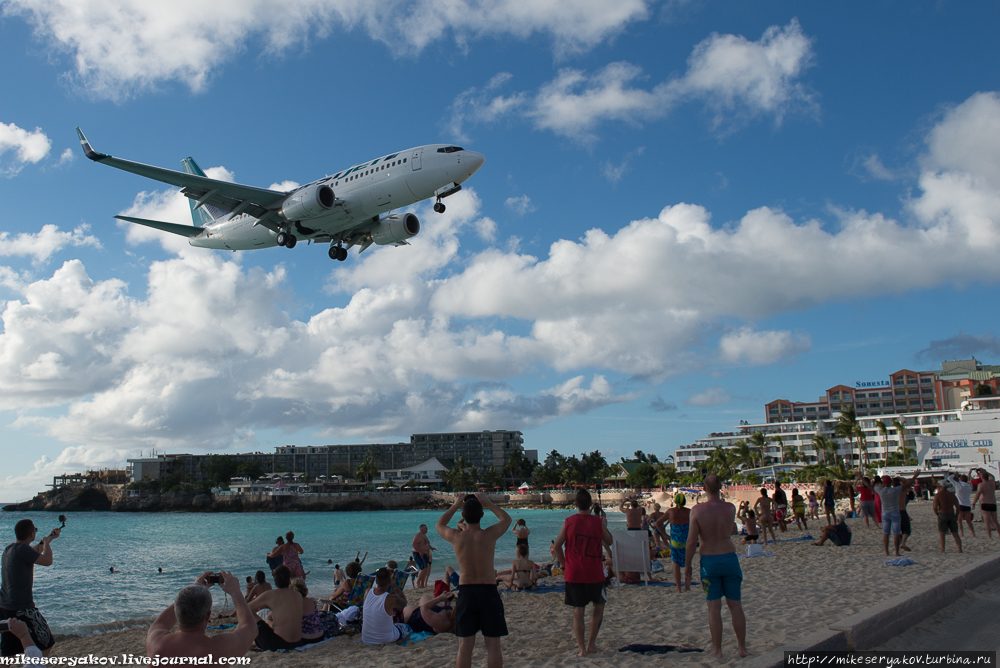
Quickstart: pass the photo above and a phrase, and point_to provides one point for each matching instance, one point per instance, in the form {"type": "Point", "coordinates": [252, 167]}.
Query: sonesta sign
{"type": "Point", "coordinates": [871, 383]}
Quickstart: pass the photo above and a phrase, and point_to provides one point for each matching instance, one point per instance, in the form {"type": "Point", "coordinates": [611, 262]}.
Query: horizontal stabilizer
{"type": "Point", "coordinates": [173, 228]}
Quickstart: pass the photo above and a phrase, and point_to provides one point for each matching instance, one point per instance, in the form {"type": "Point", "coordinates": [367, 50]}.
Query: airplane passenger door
{"type": "Point", "coordinates": [415, 160]}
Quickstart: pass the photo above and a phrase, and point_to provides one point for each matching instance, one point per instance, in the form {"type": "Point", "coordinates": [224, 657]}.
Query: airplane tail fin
{"type": "Point", "coordinates": [204, 214]}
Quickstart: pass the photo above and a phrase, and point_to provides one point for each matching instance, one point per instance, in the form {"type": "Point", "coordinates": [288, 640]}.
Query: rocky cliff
{"type": "Point", "coordinates": [110, 497]}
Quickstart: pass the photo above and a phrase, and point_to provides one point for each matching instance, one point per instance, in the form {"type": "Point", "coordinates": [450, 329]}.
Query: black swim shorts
{"type": "Point", "coordinates": [479, 608]}
{"type": "Point", "coordinates": [269, 641]}
{"type": "Point", "coordinates": [37, 627]}
{"type": "Point", "coordinates": [988, 507]}
{"type": "Point", "coordinates": [579, 594]}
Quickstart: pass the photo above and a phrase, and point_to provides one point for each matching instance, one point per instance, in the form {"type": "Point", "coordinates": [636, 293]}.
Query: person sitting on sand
{"type": "Point", "coordinates": [285, 631]}
{"type": "Point", "coordinates": [764, 508]}
{"type": "Point", "coordinates": [260, 586]}
{"type": "Point", "coordinates": [381, 602]}
{"type": "Point", "coordinates": [710, 534]}
{"type": "Point", "coordinates": [191, 611]}
{"type": "Point", "coordinates": [343, 590]}
{"type": "Point", "coordinates": [429, 617]}
{"type": "Point", "coordinates": [312, 627]}
{"type": "Point", "coordinates": [946, 508]}
{"type": "Point", "coordinates": [522, 572]}
{"type": "Point", "coordinates": [749, 520]}
{"type": "Point", "coordinates": [838, 534]}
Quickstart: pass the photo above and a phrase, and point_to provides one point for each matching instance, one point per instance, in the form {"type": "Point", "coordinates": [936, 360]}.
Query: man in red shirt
{"type": "Point", "coordinates": [584, 536]}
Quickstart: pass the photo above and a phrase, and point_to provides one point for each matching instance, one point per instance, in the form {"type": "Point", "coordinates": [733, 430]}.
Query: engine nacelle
{"type": "Point", "coordinates": [395, 228]}
{"type": "Point", "coordinates": [309, 202]}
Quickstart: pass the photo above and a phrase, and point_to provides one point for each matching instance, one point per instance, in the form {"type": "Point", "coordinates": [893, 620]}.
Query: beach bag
{"type": "Point", "coordinates": [754, 550]}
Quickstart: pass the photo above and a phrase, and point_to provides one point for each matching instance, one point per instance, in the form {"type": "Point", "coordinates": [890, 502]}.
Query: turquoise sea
{"type": "Point", "coordinates": [78, 594]}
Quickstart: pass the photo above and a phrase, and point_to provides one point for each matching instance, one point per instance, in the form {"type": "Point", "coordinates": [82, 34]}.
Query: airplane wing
{"type": "Point", "coordinates": [257, 202]}
{"type": "Point", "coordinates": [173, 228]}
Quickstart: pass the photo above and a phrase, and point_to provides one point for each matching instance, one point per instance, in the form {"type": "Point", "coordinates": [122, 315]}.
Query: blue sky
{"type": "Point", "coordinates": [687, 209]}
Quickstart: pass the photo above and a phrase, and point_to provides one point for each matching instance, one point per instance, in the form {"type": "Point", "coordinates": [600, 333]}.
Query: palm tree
{"type": "Point", "coordinates": [884, 433]}
{"type": "Point", "coordinates": [859, 435]}
{"type": "Point", "coordinates": [846, 427]}
{"type": "Point", "coordinates": [822, 444]}
{"type": "Point", "coordinates": [781, 447]}
{"type": "Point", "coordinates": [473, 476]}
{"type": "Point", "coordinates": [757, 441]}
{"type": "Point", "coordinates": [458, 475]}
{"type": "Point", "coordinates": [743, 454]}
{"type": "Point", "coordinates": [901, 430]}
{"type": "Point", "coordinates": [366, 470]}
{"type": "Point", "coordinates": [720, 463]}
{"type": "Point", "coordinates": [515, 465]}
{"type": "Point", "coordinates": [790, 454]}
{"type": "Point", "coordinates": [492, 478]}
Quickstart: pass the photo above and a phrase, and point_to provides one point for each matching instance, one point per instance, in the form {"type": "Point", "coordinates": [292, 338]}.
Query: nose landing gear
{"type": "Point", "coordinates": [438, 206]}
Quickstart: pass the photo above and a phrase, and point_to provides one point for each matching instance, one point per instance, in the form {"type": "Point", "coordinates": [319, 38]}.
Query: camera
{"type": "Point", "coordinates": [4, 626]}
{"type": "Point", "coordinates": [215, 578]}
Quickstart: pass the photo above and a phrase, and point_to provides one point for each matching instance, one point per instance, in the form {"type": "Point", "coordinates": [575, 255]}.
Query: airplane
{"type": "Point", "coordinates": [350, 208]}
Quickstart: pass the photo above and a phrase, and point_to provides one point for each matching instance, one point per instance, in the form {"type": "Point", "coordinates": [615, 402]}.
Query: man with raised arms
{"type": "Point", "coordinates": [709, 534]}
{"type": "Point", "coordinates": [479, 606]}
{"type": "Point", "coordinates": [191, 611]}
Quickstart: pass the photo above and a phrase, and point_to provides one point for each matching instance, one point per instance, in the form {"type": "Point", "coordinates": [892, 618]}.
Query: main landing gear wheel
{"type": "Point", "coordinates": [287, 240]}
{"type": "Point", "coordinates": [338, 253]}
{"type": "Point", "coordinates": [291, 241]}
{"type": "Point", "coordinates": [439, 207]}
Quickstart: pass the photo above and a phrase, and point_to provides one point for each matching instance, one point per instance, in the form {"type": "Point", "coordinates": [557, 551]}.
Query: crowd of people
{"type": "Point", "coordinates": [582, 550]}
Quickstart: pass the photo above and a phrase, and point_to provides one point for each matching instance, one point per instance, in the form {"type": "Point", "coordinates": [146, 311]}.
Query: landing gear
{"type": "Point", "coordinates": [338, 253]}
{"type": "Point", "coordinates": [287, 240]}
{"type": "Point", "coordinates": [438, 207]}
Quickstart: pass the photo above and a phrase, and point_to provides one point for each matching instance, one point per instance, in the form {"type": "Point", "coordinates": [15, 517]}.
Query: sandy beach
{"type": "Point", "coordinates": [801, 589]}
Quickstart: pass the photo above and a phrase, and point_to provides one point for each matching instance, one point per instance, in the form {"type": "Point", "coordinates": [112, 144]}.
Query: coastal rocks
{"type": "Point", "coordinates": [76, 498]}
{"type": "Point", "coordinates": [202, 501]}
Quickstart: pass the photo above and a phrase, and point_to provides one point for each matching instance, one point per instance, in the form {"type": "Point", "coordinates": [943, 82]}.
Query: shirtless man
{"type": "Point", "coordinates": [191, 612]}
{"type": "Point", "coordinates": [422, 556]}
{"type": "Point", "coordinates": [479, 606]}
{"type": "Point", "coordinates": [710, 534]}
{"type": "Point", "coordinates": [946, 508]}
{"type": "Point", "coordinates": [633, 515]}
{"type": "Point", "coordinates": [658, 535]}
{"type": "Point", "coordinates": [764, 509]}
{"type": "Point", "coordinates": [285, 631]}
{"type": "Point", "coordinates": [987, 492]}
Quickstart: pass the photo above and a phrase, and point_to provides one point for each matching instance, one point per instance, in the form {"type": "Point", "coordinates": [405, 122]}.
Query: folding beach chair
{"type": "Point", "coordinates": [357, 594]}
{"type": "Point", "coordinates": [630, 552]}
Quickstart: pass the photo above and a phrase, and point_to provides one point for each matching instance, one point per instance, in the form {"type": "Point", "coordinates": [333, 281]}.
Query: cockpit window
{"type": "Point", "coordinates": [450, 149]}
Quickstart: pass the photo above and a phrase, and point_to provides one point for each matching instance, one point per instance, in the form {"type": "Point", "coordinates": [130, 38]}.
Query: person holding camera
{"type": "Point", "coordinates": [16, 597]}
{"type": "Point", "coordinates": [191, 611]}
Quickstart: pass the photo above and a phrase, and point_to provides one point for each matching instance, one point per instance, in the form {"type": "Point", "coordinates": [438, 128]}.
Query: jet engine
{"type": "Point", "coordinates": [395, 228]}
{"type": "Point", "coordinates": [309, 202]}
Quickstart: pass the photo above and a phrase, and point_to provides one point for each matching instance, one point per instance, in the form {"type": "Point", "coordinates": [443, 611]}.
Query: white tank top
{"type": "Point", "coordinates": [378, 627]}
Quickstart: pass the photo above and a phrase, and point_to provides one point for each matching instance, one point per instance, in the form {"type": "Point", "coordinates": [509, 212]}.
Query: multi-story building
{"type": "Point", "coordinates": [483, 449]}
{"type": "Point", "coordinates": [919, 400]}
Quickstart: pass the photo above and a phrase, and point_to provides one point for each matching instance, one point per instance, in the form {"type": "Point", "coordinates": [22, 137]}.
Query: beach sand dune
{"type": "Point", "coordinates": [801, 589]}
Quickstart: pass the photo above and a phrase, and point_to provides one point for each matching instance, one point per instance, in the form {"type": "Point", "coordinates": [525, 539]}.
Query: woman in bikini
{"type": "Point", "coordinates": [312, 627]}
{"type": "Point", "coordinates": [523, 574]}
{"type": "Point", "coordinates": [521, 531]}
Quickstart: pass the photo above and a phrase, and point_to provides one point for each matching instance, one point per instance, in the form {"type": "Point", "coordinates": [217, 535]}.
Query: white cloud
{"type": "Point", "coordinates": [519, 205]}
{"type": "Point", "coordinates": [46, 242]}
{"type": "Point", "coordinates": [748, 346]}
{"type": "Point", "coordinates": [67, 156]}
{"type": "Point", "coordinates": [736, 78]}
{"type": "Point", "coordinates": [712, 396]}
{"type": "Point", "coordinates": [615, 173]}
{"type": "Point", "coordinates": [27, 147]}
{"type": "Point", "coordinates": [433, 339]}
{"type": "Point", "coordinates": [486, 228]}
{"type": "Point", "coordinates": [873, 165]}
{"type": "Point", "coordinates": [121, 47]}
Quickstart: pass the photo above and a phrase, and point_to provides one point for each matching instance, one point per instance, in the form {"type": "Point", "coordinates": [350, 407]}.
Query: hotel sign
{"type": "Point", "coordinates": [864, 384]}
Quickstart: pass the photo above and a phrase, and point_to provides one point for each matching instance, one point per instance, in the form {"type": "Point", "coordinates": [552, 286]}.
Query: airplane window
{"type": "Point", "coordinates": [404, 160]}
{"type": "Point", "coordinates": [450, 149]}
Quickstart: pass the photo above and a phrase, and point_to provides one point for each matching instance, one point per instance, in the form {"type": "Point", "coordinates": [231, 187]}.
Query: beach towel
{"type": "Point", "coordinates": [795, 540]}
{"type": "Point", "coordinates": [546, 588]}
{"type": "Point", "coordinates": [222, 626]}
{"type": "Point", "coordinates": [902, 561]}
{"type": "Point", "coordinates": [658, 649]}
{"type": "Point", "coordinates": [655, 583]}
{"type": "Point", "coordinates": [753, 556]}
{"type": "Point", "coordinates": [417, 637]}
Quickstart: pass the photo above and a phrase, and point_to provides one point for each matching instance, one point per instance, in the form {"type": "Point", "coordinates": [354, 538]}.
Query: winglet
{"type": "Point", "coordinates": [87, 150]}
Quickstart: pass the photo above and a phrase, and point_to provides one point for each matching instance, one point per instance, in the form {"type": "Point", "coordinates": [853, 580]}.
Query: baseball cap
{"type": "Point", "coordinates": [886, 480]}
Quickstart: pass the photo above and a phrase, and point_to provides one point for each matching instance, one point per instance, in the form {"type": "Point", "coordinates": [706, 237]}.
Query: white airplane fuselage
{"type": "Point", "coordinates": [363, 192]}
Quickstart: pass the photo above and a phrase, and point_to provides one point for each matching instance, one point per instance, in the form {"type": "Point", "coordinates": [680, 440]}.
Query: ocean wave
{"type": "Point", "coordinates": [87, 630]}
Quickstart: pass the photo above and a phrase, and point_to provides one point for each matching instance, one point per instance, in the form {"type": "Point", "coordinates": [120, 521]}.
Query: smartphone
{"type": "Point", "coordinates": [4, 626]}
{"type": "Point", "coordinates": [214, 579]}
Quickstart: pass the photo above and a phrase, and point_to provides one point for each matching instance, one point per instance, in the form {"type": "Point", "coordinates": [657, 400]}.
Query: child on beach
{"type": "Point", "coordinates": [813, 506]}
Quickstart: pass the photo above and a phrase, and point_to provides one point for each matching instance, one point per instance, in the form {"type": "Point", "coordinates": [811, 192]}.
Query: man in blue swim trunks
{"type": "Point", "coordinates": [422, 556]}
{"type": "Point", "coordinates": [710, 532]}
